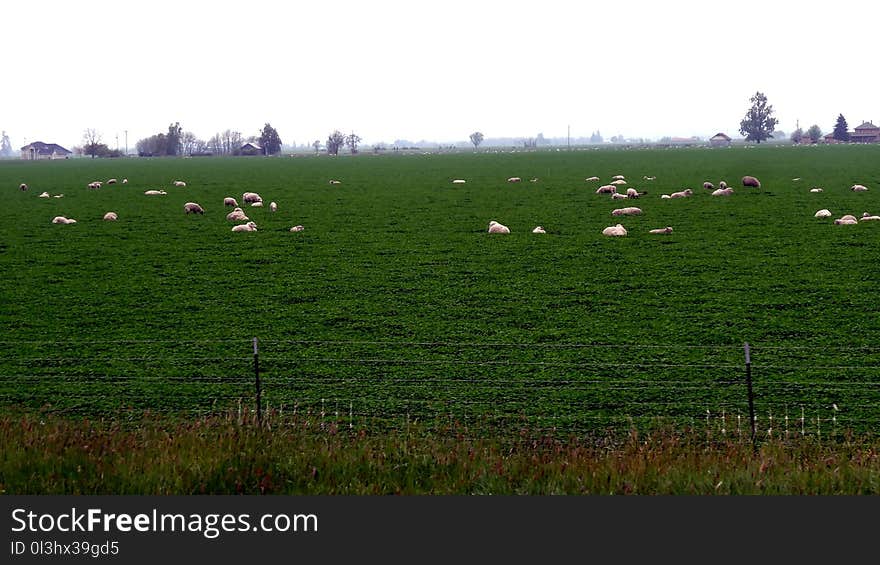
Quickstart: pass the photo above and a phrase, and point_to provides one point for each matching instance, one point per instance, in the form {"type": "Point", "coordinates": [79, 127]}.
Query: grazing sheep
{"type": "Point", "coordinates": [722, 184]}
{"type": "Point", "coordinates": [633, 193]}
{"type": "Point", "coordinates": [666, 230]}
{"type": "Point", "coordinates": [866, 217]}
{"type": "Point", "coordinates": [334, 181]}
{"type": "Point", "coordinates": [751, 181]}
{"type": "Point", "coordinates": [606, 189]}
{"type": "Point", "coordinates": [816, 189]}
{"type": "Point", "coordinates": [22, 186]}
{"type": "Point", "coordinates": [708, 185]}
{"type": "Point", "coordinates": [514, 179]}
{"type": "Point", "coordinates": [94, 185]}
{"type": "Point", "coordinates": [179, 183]}
{"type": "Point", "coordinates": [237, 215]}
{"type": "Point", "coordinates": [44, 195]}
{"type": "Point", "coordinates": [251, 197]}
{"type": "Point", "coordinates": [591, 179]}
{"type": "Point", "coordinates": [250, 226]}
{"type": "Point", "coordinates": [124, 181]}
{"type": "Point", "coordinates": [110, 216]}
{"type": "Point", "coordinates": [618, 196]}
{"type": "Point", "coordinates": [458, 181]}
{"type": "Point", "coordinates": [538, 229]}
{"type": "Point", "coordinates": [618, 181]}
{"type": "Point", "coordinates": [63, 220]}
{"type": "Point", "coordinates": [229, 201]}
{"type": "Point", "coordinates": [257, 204]}
{"type": "Point", "coordinates": [495, 227]}
{"type": "Point", "coordinates": [628, 211]}
{"type": "Point", "coordinates": [273, 207]}
{"type": "Point", "coordinates": [297, 228]}
{"type": "Point", "coordinates": [722, 192]}
{"type": "Point", "coordinates": [823, 213]}
{"type": "Point", "coordinates": [193, 208]}
{"type": "Point", "coordinates": [615, 231]}
{"type": "Point", "coordinates": [154, 192]}
{"type": "Point", "coordinates": [111, 181]}
{"type": "Point", "coordinates": [682, 193]}
{"type": "Point", "coordinates": [858, 188]}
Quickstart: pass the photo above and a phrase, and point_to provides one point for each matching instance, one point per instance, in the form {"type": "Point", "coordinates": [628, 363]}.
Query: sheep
{"type": "Point", "coordinates": [845, 221]}
{"type": "Point", "coordinates": [237, 215]}
{"type": "Point", "coordinates": [63, 220]}
{"type": "Point", "coordinates": [618, 196]}
{"type": "Point", "coordinates": [534, 179]}
{"type": "Point", "coordinates": [628, 211]}
{"type": "Point", "coordinates": [722, 192]}
{"type": "Point", "coordinates": [124, 181]}
{"type": "Point", "coordinates": [111, 181]}
{"type": "Point", "coordinates": [615, 231]}
{"type": "Point", "coordinates": [591, 179]}
{"type": "Point", "coordinates": [155, 192]}
{"type": "Point", "coordinates": [666, 230]}
{"type": "Point", "coordinates": [708, 185]}
{"type": "Point", "coordinates": [633, 193]}
{"type": "Point", "coordinates": [722, 184]}
{"type": "Point", "coordinates": [848, 218]}
{"type": "Point", "coordinates": [250, 226]}
{"type": "Point", "coordinates": [538, 229]}
{"type": "Point", "coordinates": [646, 177]}
{"type": "Point", "coordinates": [258, 204]}
{"type": "Point", "coordinates": [110, 216]}
{"type": "Point", "coordinates": [334, 181]}
{"type": "Point", "coordinates": [858, 188]}
{"type": "Point", "coordinates": [866, 217]}
{"type": "Point", "coordinates": [179, 183]}
{"type": "Point", "coordinates": [618, 181]}
{"type": "Point", "coordinates": [297, 228]}
{"type": "Point", "coordinates": [251, 197]}
{"type": "Point", "coordinates": [618, 177]}
{"type": "Point", "coordinates": [22, 187]}
{"type": "Point", "coordinates": [58, 196]}
{"type": "Point", "coordinates": [665, 196]}
{"type": "Point", "coordinates": [796, 179]}
{"type": "Point", "coordinates": [95, 185]}
{"type": "Point", "coordinates": [44, 195]}
{"type": "Point", "coordinates": [749, 180]}
{"type": "Point", "coordinates": [682, 193]}
{"type": "Point", "coordinates": [606, 189]}
{"type": "Point", "coordinates": [823, 213]}
{"type": "Point", "coordinates": [193, 208]}
{"type": "Point", "coordinates": [514, 179]}
{"type": "Point", "coordinates": [273, 207]}
{"type": "Point", "coordinates": [229, 201]}
{"type": "Point", "coordinates": [495, 227]}
{"type": "Point", "coordinates": [458, 181]}
{"type": "Point", "coordinates": [816, 189]}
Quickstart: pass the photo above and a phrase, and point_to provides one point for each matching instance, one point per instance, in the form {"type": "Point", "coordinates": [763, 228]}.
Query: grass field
{"type": "Point", "coordinates": [395, 304]}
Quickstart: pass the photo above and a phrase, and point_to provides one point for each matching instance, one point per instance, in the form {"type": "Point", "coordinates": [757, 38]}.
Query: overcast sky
{"type": "Point", "coordinates": [439, 70]}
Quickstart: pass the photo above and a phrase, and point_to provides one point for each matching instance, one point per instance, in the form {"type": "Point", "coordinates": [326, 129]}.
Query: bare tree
{"type": "Point", "coordinates": [476, 139]}
{"type": "Point", "coordinates": [317, 145]}
{"type": "Point", "coordinates": [334, 142]}
{"type": "Point", "coordinates": [188, 142]}
{"type": "Point", "coordinates": [352, 142]}
{"type": "Point", "coordinates": [91, 142]}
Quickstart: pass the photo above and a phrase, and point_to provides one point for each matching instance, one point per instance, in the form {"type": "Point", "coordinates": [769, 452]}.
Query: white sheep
{"type": "Point", "coordinates": [251, 197]}
{"type": "Point", "coordinates": [334, 181]}
{"type": "Point", "coordinates": [618, 177]}
{"type": "Point", "coordinates": [538, 229]}
{"type": "Point", "coordinates": [257, 204]}
{"type": "Point", "coordinates": [58, 196]}
{"type": "Point", "coordinates": [179, 183]}
{"type": "Point", "coordinates": [845, 221]}
{"type": "Point", "coordinates": [666, 230]}
{"type": "Point", "coordinates": [230, 201]}
{"type": "Point", "coordinates": [858, 188]}
{"type": "Point", "coordinates": [495, 227]}
{"type": "Point", "coordinates": [848, 218]}
{"type": "Point", "coordinates": [615, 231]}
{"type": "Point", "coordinates": [722, 184]}
{"type": "Point", "coordinates": [94, 185]}
{"type": "Point", "coordinates": [816, 189]}
{"type": "Point", "coordinates": [44, 195]}
{"type": "Point", "coordinates": [682, 193]}
{"type": "Point", "coordinates": [591, 179]}
{"type": "Point", "coordinates": [722, 192]}
{"type": "Point", "coordinates": [628, 211]}
{"type": "Point", "coordinates": [649, 178]}
{"type": "Point", "coordinates": [866, 217]}
{"type": "Point", "coordinates": [458, 181]}
{"type": "Point", "coordinates": [154, 192]}
{"type": "Point", "coordinates": [708, 185]}
{"type": "Point", "coordinates": [606, 189]}
{"type": "Point", "coordinates": [514, 179]}
{"type": "Point", "coordinates": [273, 207]}
{"type": "Point", "coordinates": [124, 181]}
{"type": "Point", "coordinates": [193, 208]}
{"type": "Point", "coordinates": [823, 213]}
{"type": "Point", "coordinates": [237, 215]}
{"type": "Point", "coordinates": [63, 220]}
{"type": "Point", "coordinates": [633, 193]}
{"type": "Point", "coordinates": [618, 181]}
{"type": "Point", "coordinates": [110, 216]}
{"type": "Point", "coordinates": [250, 226]}
{"type": "Point", "coordinates": [618, 196]}
{"type": "Point", "coordinates": [297, 228]}
{"type": "Point", "coordinates": [23, 186]}
{"type": "Point", "coordinates": [751, 181]}
{"type": "Point", "coordinates": [111, 181]}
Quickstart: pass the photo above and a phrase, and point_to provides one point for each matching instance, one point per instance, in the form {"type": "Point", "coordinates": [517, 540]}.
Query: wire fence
{"type": "Point", "coordinates": [498, 388]}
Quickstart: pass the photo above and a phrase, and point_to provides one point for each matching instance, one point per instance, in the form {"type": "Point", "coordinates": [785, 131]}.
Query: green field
{"type": "Point", "coordinates": [395, 305]}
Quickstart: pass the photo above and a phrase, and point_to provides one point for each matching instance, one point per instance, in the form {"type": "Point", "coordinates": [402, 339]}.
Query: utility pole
{"type": "Point", "coordinates": [569, 138]}
{"type": "Point", "coordinates": [126, 143]}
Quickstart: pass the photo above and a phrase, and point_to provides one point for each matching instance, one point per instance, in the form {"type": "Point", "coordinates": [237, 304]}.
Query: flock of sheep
{"type": "Point", "coordinates": [237, 215]}
{"type": "Point", "coordinates": [618, 230]}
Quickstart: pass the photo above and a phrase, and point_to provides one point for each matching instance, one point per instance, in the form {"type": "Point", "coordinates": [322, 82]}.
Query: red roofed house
{"type": "Point", "coordinates": [719, 140]}
{"type": "Point", "coordinates": [865, 133]}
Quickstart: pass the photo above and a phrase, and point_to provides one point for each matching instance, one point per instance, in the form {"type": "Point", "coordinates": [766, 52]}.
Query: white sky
{"type": "Point", "coordinates": [404, 69]}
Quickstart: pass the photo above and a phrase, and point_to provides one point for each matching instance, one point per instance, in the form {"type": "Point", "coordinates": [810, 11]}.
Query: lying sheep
{"type": "Point", "coordinates": [334, 181]}
{"type": "Point", "coordinates": [111, 181]}
{"type": "Point", "coordinates": [866, 217]}
{"type": "Point", "coordinates": [682, 193]}
{"type": "Point", "coordinates": [628, 211]}
{"type": "Point", "coordinates": [44, 195]}
{"type": "Point", "coordinates": [666, 230]}
{"type": "Point", "coordinates": [257, 204]}
{"type": "Point", "coordinates": [633, 193]}
{"type": "Point", "coordinates": [179, 183]}
{"type": "Point", "coordinates": [514, 179]}
{"type": "Point", "coordinates": [722, 192]}
{"type": "Point", "coordinates": [618, 181]}
{"type": "Point", "coordinates": [154, 192]}
{"type": "Point", "coordinates": [708, 185]}
{"type": "Point", "coordinates": [858, 188]}
{"type": "Point", "coordinates": [297, 228]}
{"type": "Point", "coordinates": [110, 216]}
{"type": "Point", "coordinates": [229, 201]}
{"type": "Point", "coordinates": [237, 215]}
{"type": "Point", "coordinates": [538, 229]}
{"type": "Point", "coordinates": [250, 226]}
{"type": "Point", "coordinates": [591, 179]}
{"type": "Point", "coordinates": [615, 231]}
{"type": "Point", "coordinates": [751, 181]}
{"type": "Point", "coordinates": [63, 220]}
{"type": "Point", "coordinates": [618, 177]}
{"type": "Point", "coordinates": [816, 189]}
{"type": "Point", "coordinates": [458, 181]}
{"type": "Point", "coordinates": [618, 196]}
{"type": "Point", "coordinates": [193, 208]}
{"type": "Point", "coordinates": [22, 186]}
{"type": "Point", "coordinates": [273, 207]}
{"type": "Point", "coordinates": [823, 213]}
{"type": "Point", "coordinates": [606, 189]}
{"type": "Point", "coordinates": [495, 227]}
{"type": "Point", "coordinates": [845, 221]}
{"type": "Point", "coordinates": [94, 185]}
{"type": "Point", "coordinates": [251, 197]}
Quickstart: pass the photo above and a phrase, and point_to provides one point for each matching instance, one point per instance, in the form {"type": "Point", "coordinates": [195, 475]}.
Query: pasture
{"type": "Point", "coordinates": [394, 304]}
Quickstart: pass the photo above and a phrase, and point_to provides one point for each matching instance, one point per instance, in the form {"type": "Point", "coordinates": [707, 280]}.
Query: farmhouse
{"type": "Point", "coordinates": [250, 148]}
{"type": "Point", "coordinates": [719, 140]}
{"type": "Point", "coordinates": [865, 133]}
{"type": "Point", "coordinates": [40, 150]}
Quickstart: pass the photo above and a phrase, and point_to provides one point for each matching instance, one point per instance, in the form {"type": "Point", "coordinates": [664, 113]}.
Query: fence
{"type": "Point", "coordinates": [756, 390]}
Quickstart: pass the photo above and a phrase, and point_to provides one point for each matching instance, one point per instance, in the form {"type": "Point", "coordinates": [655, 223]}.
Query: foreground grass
{"type": "Point", "coordinates": [220, 455]}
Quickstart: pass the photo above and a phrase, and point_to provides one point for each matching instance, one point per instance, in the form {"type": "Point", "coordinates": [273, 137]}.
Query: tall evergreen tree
{"type": "Point", "coordinates": [269, 140]}
{"type": "Point", "coordinates": [758, 123]}
{"type": "Point", "coordinates": [841, 129]}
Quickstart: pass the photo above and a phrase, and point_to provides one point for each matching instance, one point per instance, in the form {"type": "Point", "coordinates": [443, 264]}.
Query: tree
{"type": "Point", "coordinates": [797, 135]}
{"type": "Point", "coordinates": [352, 142]}
{"type": "Point", "coordinates": [334, 142]}
{"type": "Point", "coordinates": [173, 146]}
{"type": "Point", "coordinates": [596, 137]}
{"type": "Point", "coordinates": [758, 123]}
{"type": "Point", "coordinates": [269, 140]}
{"type": "Point", "coordinates": [317, 145]}
{"type": "Point", "coordinates": [476, 139]}
{"type": "Point", "coordinates": [5, 146]}
{"type": "Point", "coordinates": [841, 129]}
{"type": "Point", "coordinates": [814, 133]}
{"type": "Point", "coordinates": [92, 143]}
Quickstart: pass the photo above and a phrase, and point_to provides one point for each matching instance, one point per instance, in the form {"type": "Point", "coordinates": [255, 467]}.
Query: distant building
{"type": "Point", "coordinates": [40, 150]}
{"type": "Point", "coordinates": [719, 140]}
{"type": "Point", "coordinates": [251, 149]}
{"type": "Point", "coordinates": [865, 133]}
